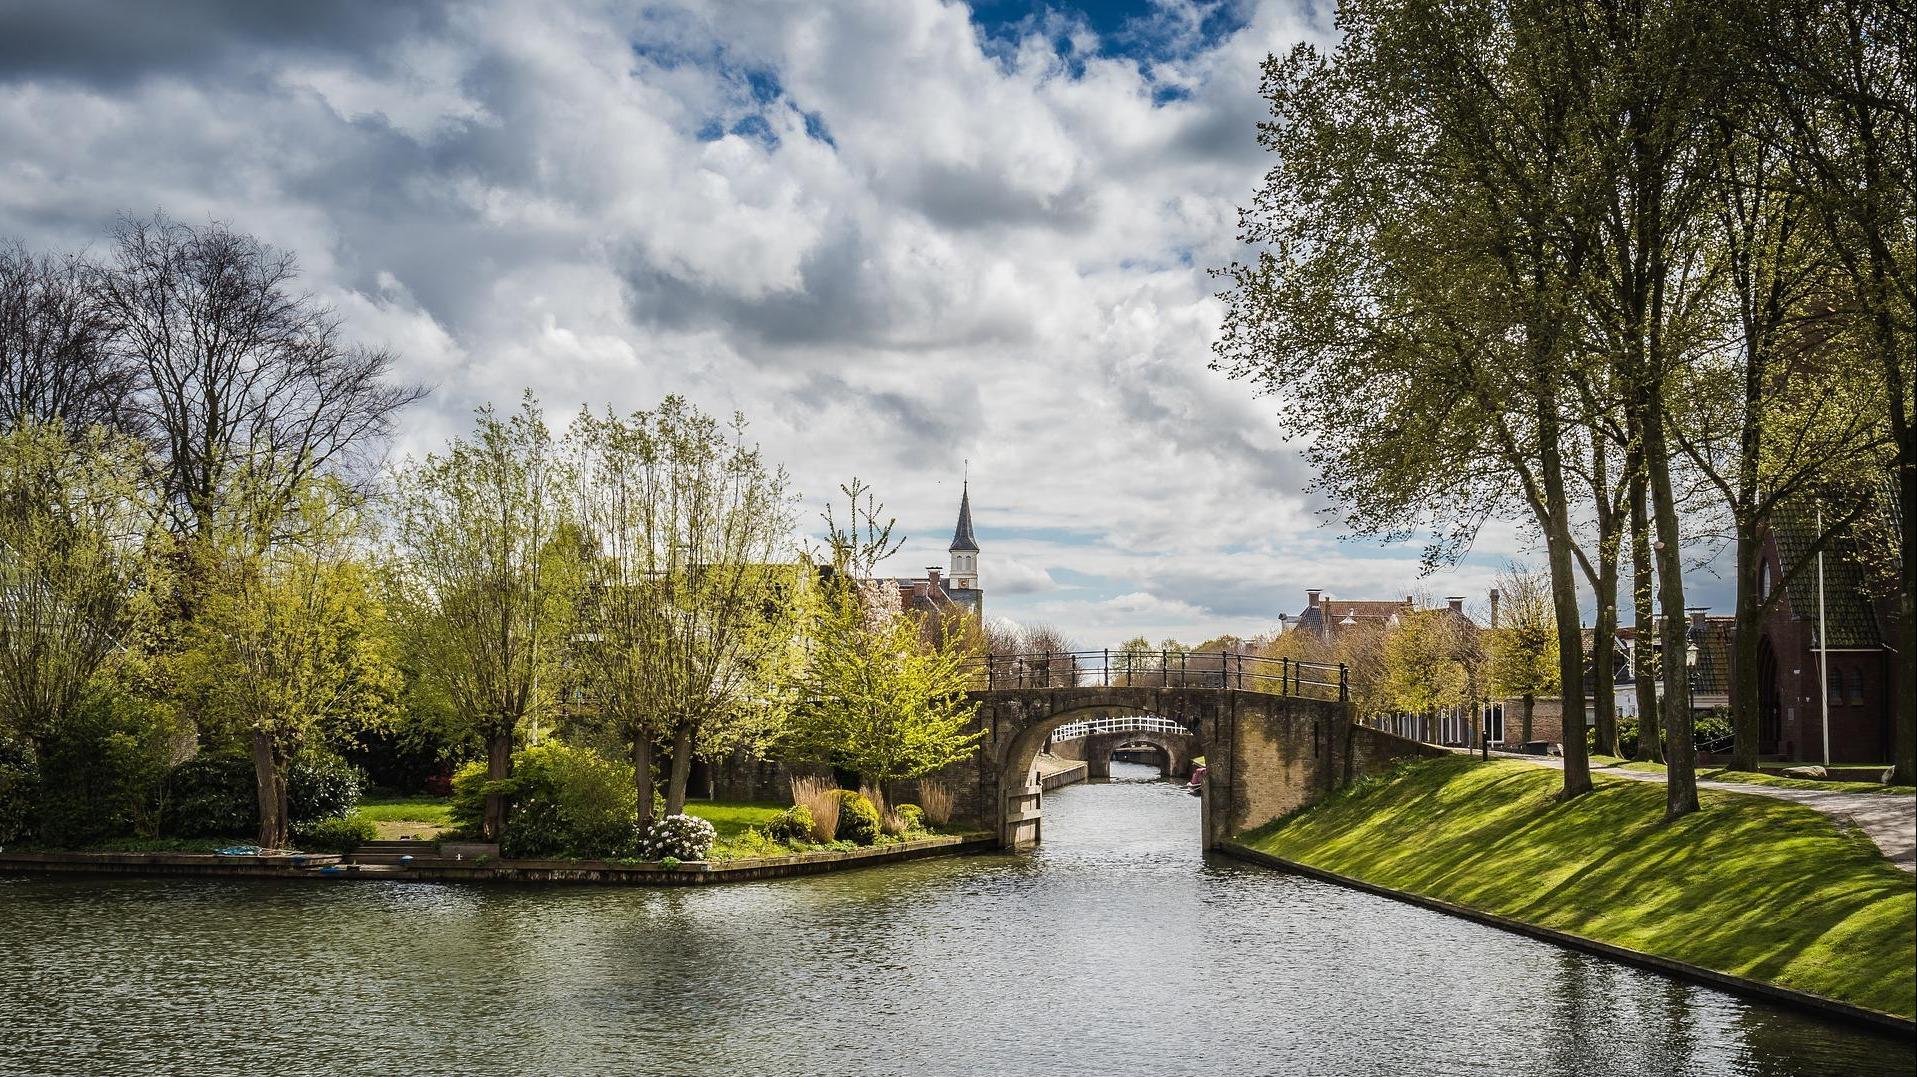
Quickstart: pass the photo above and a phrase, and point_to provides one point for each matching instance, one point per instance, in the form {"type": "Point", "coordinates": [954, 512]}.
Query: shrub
{"type": "Point", "coordinates": [563, 801]}
{"type": "Point", "coordinates": [103, 770]}
{"type": "Point", "coordinates": [820, 798]}
{"type": "Point", "coordinates": [751, 842]}
{"type": "Point", "coordinates": [341, 834]}
{"type": "Point", "coordinates": [936, 798]}
{"type": "Point", "coordinates": [911, 817]}
{"type": "Point", "coordinates": [679, 838]}
{"type": "Point", "coordinates": [791, 826]}
{"type": "Point", "coordinates": [858, 819]}
{"type": "Point", "coordinates": [321, 786]}
{"type": "Point", "coordinates": [468, 791]}
{"type": "Point", "coordinates": [214, 794]}
{"type": "Point", "coordinates": [19, 791]}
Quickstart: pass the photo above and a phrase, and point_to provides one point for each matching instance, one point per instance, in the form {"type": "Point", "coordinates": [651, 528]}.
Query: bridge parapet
{"type": "Point", "coordinates": [1164, 669]}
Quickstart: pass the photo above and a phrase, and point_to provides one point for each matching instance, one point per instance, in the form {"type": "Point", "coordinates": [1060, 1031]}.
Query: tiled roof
{"type": "Point", "coordinates": [1847, 607]}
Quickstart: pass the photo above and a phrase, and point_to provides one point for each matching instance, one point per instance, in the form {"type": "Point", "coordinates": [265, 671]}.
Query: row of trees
{"type": "Point", "coordinates": [193, 514]}
{"type": "Point", "coordinates": [1642, 273]}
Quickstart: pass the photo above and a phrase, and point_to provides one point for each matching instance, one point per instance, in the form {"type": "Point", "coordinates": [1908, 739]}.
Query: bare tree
{"type": "Point", "coordinates": [243, 376]}
{"type": "Point", "coordinates": [56, 357]}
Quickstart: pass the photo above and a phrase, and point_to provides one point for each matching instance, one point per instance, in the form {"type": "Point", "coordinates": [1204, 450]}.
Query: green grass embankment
{"type": "Point", "coordinates": [1749, 886]}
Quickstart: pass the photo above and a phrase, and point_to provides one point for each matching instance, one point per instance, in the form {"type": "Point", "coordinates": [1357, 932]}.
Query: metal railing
{"type": "Point", "coordinates": [1166, 669]}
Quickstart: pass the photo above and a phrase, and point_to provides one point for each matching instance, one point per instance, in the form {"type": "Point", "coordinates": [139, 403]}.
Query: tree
{"type": "Point", "coordinates": [1422, 671]}
{"type": "Point", "coordinates": [1846, 76]}
{"type": "Point", "coordinates": [877, 697]}
{"type": "Point", "coordinates": [686, 627]}
{"type": "Point", "coordinates": [73, 571]}
{"type": "Point", "coordinates": [1423, 241]}
{"type": "Point", "coordinates": [291, 644]}
{"type": "Point", "coordinates": [57, 361]}
{"type": "Point", "coordinates": [486, 576]}
{"type": "Point", "coordinates": [1524, 643]}
{"type": "Point", "coordinates": [244, 382]}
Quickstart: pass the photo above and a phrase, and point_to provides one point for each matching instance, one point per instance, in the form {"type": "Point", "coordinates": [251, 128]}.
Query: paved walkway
{"type": "Point", "coordinates": [1889, 819]}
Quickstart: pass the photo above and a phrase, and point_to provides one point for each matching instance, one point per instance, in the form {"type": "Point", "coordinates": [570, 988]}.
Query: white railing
{"type": "Point", "coordinates": [1119, 723]}
{"type": "Point", "coordinates": [1454, 726]}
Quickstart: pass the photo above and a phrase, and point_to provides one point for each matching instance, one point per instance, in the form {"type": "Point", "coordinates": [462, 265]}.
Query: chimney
{"type": "Point", "coordinates": [1494, 607]}
{"type": "Point", "coordinates": [1311, 598]}
{"type": "Point", "coordinates": [932, 575]}
{"type": "Point", "coordinates": [1456, 603]}
{"type": "Point", "coordinates": [1700, 615]}
{"type": "Point", "coordinates": [1410, 601]}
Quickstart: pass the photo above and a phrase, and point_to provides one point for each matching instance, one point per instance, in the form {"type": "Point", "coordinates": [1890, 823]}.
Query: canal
{"type": "Point", "coordinates": [1114, 949]}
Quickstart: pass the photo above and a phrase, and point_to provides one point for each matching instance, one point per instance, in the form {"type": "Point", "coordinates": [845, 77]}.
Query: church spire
{"type": "Point", "coordinates": [963, 540]}
{"type": "Point", "coordinates": [964, 548]}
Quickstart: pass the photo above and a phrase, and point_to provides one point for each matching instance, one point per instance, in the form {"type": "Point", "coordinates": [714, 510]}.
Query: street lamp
{"type": "Point", "coordinates": [1690, 676]}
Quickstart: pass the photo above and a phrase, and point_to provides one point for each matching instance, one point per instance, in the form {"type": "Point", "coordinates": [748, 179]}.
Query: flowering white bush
{"type": "Point", "coordinates": [678, 837]}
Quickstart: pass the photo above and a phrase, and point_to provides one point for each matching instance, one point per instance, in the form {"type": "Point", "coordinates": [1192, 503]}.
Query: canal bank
{"type": "Point", "coordinates": [1773, 897]}
{"type": "Point", "coordinates": [491, 869]}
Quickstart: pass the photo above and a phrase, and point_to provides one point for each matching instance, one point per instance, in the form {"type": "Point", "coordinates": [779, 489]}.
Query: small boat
{"type": "Point", "coordinates": [1197, 785]}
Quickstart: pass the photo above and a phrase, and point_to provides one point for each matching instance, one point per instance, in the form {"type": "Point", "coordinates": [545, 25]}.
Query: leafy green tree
{"type": "Point", "coordinates": [1423, 672]}
{"type": "Point", "coordinates": [1524, 643]}
{"type": "Point", "coordinates": [291, 645]}
{"type": "Point", "coordinates": [686, 627]}
{"type": "Point", "coordinates": [486, 577]}
{"type": "Point", "coordinates": [1424, 239]}
{"type": "Point", "coordinates": [73, 568]}
{"type": "Point", "coordinates": [1845, 72]}
{"type": "Point", "coordinates": [877, 697]}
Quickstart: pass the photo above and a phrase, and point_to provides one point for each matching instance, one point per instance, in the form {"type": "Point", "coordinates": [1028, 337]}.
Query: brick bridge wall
{"type": "Point", "coordinates": [1266, 755]}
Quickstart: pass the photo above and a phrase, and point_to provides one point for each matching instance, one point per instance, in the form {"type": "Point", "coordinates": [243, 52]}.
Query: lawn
{"type": "Point", "coordinates": [1756, 887]}
{"type": "Point", "coordinates": [732, 818]}
{"type": "Point", "coordinates": [408, 816]}
{"type": "Point", "coordinates": [1754, 778]}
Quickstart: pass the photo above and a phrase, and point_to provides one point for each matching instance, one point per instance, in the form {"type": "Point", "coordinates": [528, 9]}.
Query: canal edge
{"type": "Point", "coordinates": [1683, 970]}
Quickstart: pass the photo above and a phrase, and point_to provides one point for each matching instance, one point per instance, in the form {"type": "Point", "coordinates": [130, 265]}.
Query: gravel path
{"type": "Point", "coordinates": [1889, 819]}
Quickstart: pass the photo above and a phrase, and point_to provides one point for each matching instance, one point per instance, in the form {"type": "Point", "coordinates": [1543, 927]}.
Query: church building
{"type": "Point", "coordinates": [957, 589]}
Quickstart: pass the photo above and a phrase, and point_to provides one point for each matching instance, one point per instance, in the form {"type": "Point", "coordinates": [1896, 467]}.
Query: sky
{"type": "Point", "coordinates": [905, 238]}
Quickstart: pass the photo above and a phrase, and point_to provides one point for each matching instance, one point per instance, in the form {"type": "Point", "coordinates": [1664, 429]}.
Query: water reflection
{"type": "Point", "coordinates": [1113, 949]}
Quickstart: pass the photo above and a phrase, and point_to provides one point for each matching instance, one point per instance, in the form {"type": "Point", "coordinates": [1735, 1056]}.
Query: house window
{"type": "Point", "coordinates": [1834, 688]}
{"type": "Point", "coordinates": [1764, 580]}
{"type": "Point", "coordinates": [1854, 682]}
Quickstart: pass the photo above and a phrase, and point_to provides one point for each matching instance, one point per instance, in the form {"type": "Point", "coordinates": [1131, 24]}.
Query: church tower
{"type": "Point", "coordinates": [964, 548]}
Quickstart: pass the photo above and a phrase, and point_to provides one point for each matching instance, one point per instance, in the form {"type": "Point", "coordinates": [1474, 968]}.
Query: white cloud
{"type": "Point", "coordinates": [996, 257]}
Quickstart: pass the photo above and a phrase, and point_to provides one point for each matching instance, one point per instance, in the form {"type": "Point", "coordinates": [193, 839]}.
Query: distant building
{"type": "Point", "coordinates": [956, 590]}
{"type": "Point", "coordinates": [1325, 616]}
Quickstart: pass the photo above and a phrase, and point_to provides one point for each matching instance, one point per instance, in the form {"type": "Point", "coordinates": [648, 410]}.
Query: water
{"type": "Point", "coordinates": [1113, 950]}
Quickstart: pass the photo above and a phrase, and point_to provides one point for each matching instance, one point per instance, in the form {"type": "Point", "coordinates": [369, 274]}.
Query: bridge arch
{"type": "Point", "coordinates": [1266, 753]}
{"type": "Point", "coordinates": [1178, 749]}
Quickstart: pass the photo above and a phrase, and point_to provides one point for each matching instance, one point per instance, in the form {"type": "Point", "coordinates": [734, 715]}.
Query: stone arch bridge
{"type": "Point", "coordinates": [1094, 740]}
{"type": "Point", "coordinates": [1276, 735]}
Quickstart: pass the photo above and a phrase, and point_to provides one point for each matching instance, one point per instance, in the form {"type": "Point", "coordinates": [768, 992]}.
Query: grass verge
{"type": "Point", "coordinates": [1750, 886]}
{"type": "Point", "coordinates": [1776, 781]}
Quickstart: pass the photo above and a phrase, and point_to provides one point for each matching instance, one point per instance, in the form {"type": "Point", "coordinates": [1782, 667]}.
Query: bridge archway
{"type": "Point", "coordinates": [1176, 749]}
{"type": "Point", "coordinates": [1266, 753]}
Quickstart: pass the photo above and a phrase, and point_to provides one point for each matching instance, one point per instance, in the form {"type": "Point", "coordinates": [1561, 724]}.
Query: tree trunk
{"type": "Point", "coordinates": [269, 781]}
{"type": "Point", "coordinates": [1604, 650]}
{"type": "Point", "coordinates": [1564, 602]}
{"type": "Point", "coordinates": [642, 775]}
{"type": "Point", "coordinates": [1680, 753]}
{"type": "Point", "coordinates": [681, 769]}
{"type": "Point", "coordinates": [1650, 739]}
{"type": "Point", "coordinates": [1746, 718]}
{"type": "Point", "coordinates": [1524, 717]}
{"type": "Point", "coordinates": [1904, 706]}
{"type": "Point", "coordinates": [499, 767]}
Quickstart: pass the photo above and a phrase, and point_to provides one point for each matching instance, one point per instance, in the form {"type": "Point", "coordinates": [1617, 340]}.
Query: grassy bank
{"type": "Point", "coordinates": [1751, 777]}
{"type": "Point", "coordinates": [1754, 887]}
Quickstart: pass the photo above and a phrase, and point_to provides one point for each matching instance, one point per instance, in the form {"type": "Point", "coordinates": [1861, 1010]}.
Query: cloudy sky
{"type": "Point", "coordinates": [897, 234]}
